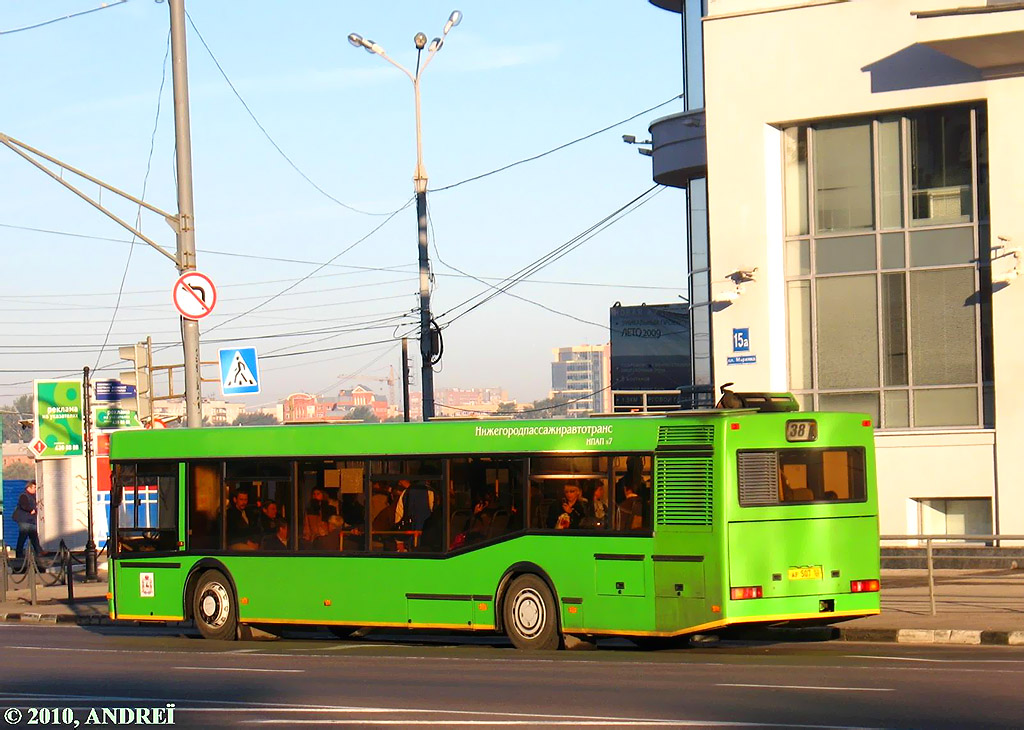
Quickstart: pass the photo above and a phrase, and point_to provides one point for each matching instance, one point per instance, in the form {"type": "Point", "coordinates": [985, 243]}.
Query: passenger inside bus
{"type": "Point", "coordinates": [318, 512]}
{"type": "Point", "coordinates": [596, 508]}
{"type": "Point", "coordinates": [269, 511]}
{"type": "Point", "coordinates": [242, 525]}
{"type": "Point", "coordinates": [630, 511]}
{"type": "Point", "coordinates": [569, 513]}
{"type": "Point", "coordinates": [276, 541]}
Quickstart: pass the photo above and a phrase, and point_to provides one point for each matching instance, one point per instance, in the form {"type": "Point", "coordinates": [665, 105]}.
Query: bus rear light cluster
{"type": "Point", "coordinates": [865, 586]}
{"type": "Point", "coordinates": [745, 592]}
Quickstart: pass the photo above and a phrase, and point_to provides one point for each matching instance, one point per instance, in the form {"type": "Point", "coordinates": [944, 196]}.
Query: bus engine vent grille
{"type": "Point", "coordinates": [685, 434]}
{"type": "Point", "coordinates": [685, 490]}
{"type": "Point", "coordinates": [758, 473]}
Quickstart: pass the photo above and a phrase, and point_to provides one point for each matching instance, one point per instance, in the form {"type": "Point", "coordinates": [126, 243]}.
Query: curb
{"type": "Point", "coordinates": [58, 618]}
{"type": "Point", "coordinates": [960, 637]}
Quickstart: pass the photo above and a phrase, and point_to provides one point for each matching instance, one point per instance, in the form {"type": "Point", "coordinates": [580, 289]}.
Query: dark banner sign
{"type": "Point", "coordinates": [650, 347]}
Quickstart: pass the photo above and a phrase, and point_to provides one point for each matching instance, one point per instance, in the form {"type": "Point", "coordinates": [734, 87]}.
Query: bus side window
{"type": "Point", "coordinates": [204, 505]}
{"type": "Point", "coordinates": [486, 496]}
{"type": "Point", "coordinates": [632, 493]}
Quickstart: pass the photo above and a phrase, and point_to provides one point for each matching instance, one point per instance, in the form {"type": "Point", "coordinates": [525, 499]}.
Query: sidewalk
{"type": "Point", "coordinates": [973, 607]}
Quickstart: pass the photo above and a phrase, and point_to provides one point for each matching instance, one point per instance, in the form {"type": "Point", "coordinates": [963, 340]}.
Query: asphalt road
{"type": "Point", "coordinates": [448, 681]}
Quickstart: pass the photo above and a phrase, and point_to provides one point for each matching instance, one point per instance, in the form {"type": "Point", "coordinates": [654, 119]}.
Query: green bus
{"type": "Point", "coordinates": [637, 526]}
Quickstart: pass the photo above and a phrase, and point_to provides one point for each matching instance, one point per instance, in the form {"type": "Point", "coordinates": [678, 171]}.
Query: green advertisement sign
{"type": "Point", "coordinates": [113, 417]}
{"type": "Point", "coordinates": [58, 419]}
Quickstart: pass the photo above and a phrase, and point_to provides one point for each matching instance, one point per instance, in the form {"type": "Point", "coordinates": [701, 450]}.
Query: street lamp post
{"type": "Point", "coordinates": [427, 351]}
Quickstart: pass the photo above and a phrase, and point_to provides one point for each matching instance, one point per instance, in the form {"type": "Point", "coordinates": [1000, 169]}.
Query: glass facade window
{"type": "Point", "coordinates": [971, 516]}
{"type": "Point", "coordinates": [886, 264]}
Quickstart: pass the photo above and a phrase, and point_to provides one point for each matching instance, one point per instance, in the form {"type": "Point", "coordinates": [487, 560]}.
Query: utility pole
{"type": "Point", "coordinates": [428, 353]}
{"type": "Point", "coordinates": [405, 378]}
{"type": "Point", "coordinates": [186, 235]}
{"type": "Point", "coordinates": [90, 543]}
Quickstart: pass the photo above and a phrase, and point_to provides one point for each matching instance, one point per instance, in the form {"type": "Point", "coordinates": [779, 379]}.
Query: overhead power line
{"type": "Point", "coordinates": [547, 259]}
{"type": "Point", "coordinates": [104, 6]}
{"type": "Point", "coordinates": [554, 149]}
{"type": "Point", "coordinates": [142, 196]}
{"type": "Point", "coordinates": [266, 134]}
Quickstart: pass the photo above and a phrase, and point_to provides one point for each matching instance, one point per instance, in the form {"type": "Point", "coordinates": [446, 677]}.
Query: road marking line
{"type": "Point", "coordinates": [240, 669]}
{"type": "Point", "coordinates": [803, 686]}
{"type": "Point", "coordinates": [937, 661]}
{"type": "Point", "coordinates": [527, 718]}
{"type": "Point", "coordinates": [342, 647]}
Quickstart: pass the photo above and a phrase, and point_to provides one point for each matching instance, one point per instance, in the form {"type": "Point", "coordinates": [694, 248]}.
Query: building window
{"type": "Point", "coordinates": [887, 279]}
{"type": "Point", "coordinates": [970, 516]}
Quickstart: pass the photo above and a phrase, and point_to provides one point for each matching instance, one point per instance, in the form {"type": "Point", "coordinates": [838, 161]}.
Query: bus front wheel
{"type": "Point", "coordinates": [530, 614]}
{"type": "Point", "coordinates": [213, 607]}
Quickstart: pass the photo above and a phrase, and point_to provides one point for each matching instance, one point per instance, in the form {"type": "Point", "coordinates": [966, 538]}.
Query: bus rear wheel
{"type": "Point", "coordinates": [213, 607]}
{"type": "Point", "coordinates": [530, 614]}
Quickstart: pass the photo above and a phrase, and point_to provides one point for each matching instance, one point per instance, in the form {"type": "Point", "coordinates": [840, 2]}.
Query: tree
{"type": "Point", "coordinates": [22, 407]}
{"type": "Point", "coordinates": [547, 408]}
{"type": "Point", "coordinates": [362, 413]}
{"type": "Point", "coordinates": [19, 470]}
{"type": "Point", "coordinates": [507, 409]}
{"type": "Point", "coordinates": [255, 419]}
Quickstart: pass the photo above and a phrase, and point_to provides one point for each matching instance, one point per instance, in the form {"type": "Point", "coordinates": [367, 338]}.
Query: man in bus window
{"type": "Point", "coordinates": [567, 514]}
{"type": "Point", "coordinates": [277, 541]}
{"type": "Point", "coordinates": [268, 517]}
{"type": "Point", "coordinates": [242, 524]}
{"type": "Point", "coordinates": [630, 510]}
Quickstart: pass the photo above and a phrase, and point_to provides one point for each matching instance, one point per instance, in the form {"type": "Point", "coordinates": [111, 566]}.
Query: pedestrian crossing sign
{"type": "Point", "coordinates": [239, 371]}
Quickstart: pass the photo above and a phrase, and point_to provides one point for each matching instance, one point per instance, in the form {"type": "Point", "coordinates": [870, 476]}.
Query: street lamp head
{"type": "Point", "coordinates": [420, 40]}
{"type": "Point", "coordinates": [356, 40]}
{"type": "Point", "coordinates": [453, 20]}
{"type": "Point", "coordinates": [435, 45]}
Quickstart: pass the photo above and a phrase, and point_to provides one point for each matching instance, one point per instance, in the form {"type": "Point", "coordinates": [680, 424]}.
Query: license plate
{"type": "Point", "coordinates": [811, 572]}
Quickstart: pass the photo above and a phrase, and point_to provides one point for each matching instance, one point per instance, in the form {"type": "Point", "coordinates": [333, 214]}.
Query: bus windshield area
{"type": "Point", "coordinates": [801, 475]}
{"type": "Point", "coordinates": [145, 507]}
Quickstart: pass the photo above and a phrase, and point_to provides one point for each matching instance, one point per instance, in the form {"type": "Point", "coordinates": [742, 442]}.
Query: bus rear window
{"type": "Point", "coordinates": [799, 476]}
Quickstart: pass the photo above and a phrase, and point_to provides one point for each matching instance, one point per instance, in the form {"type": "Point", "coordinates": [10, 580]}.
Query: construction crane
{"type": "Point", "coordinates": [390, 380]}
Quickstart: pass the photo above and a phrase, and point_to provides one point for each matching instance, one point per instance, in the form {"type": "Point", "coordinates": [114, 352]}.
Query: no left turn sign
{"type": "Point", "coordinates": [194, 295]}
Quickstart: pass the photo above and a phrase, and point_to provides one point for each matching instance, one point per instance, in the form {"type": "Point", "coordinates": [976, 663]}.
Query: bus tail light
{"type": "Point", "coordinates": [740, 594]}
{"type": "Point", "coordinates": [865, 586]}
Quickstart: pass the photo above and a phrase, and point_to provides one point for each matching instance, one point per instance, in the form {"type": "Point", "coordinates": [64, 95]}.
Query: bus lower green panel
{"type": "Point", "coordinates": [456, 612]}
{"type": "Point", "coordinates": [803, 608]}
{"type": "Point", "coordinates": [620, 577]}
{"type": "Point", "coordinates": [838, 549]}
{"type": "Point", "coordinates": [149, 589]}
{"type": "Point", "coordinates": [679, 580]}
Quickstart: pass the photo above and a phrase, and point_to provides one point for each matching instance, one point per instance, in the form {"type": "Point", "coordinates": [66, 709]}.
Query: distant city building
{"type": "Point", "coordinates": [17, 454]}
{"type": "Point", "coordinates": [215, 412]}
{"type": "Point", "coordinates": [581, 375]}
{"type": "Point", "coordinates": [465, 401]}
{"type": "Point", "coordinates": [469, 400]}
{"type": "Point", "coordinates": [306, 407]}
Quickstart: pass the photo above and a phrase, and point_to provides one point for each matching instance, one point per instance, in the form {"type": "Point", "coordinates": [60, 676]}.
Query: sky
{"type": "Point", "coordinates": [302, 147]}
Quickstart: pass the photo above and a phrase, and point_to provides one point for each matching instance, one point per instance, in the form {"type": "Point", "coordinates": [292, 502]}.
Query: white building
{"type": "Point", "coordinates": [581, 376]}
{"type": "Point", "coordinates": [863, 171]}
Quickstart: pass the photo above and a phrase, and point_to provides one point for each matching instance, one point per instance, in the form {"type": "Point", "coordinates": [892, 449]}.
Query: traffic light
{"type": "Point", "coordinates": [140, 356]}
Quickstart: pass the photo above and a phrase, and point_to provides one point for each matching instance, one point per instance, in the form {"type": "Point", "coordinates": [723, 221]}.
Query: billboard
{"type": "Point", "coordinates": [650, 347]}
{"type": "Point", "coordinates": [58, 419]}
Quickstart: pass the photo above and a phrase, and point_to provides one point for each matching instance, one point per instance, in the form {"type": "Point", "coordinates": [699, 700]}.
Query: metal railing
{"type": "Point", "coordinates": [34, 571]}
{"type": "Point", "coordinates": [957, 542]}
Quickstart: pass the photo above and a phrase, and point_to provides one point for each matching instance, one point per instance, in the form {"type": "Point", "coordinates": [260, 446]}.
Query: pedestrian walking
{"type": "Point", "coordinates": [28, 520]}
